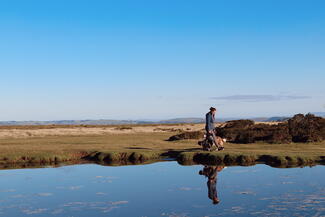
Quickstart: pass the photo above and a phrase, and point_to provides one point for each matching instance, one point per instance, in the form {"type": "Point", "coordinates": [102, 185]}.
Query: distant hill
{"type": "Point", "coordinates": [320, 114]}
{"type": "Point", "coordinates": [71, 122]}
{"type": "Point", "coordinates": [182, 120]}
{"type": "Point", "coordinates": [126, 122]}
{"type": "Point", "coordinates": [103, 122]}
{"type": "Point", "coordinates": [123, 122]}
{"type": "Point", "coordinates": [284, 118]}
{"type": "Point", "coordinates": [276, 119]}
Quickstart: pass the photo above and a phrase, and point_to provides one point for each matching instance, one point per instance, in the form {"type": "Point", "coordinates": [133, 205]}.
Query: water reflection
{"type": "Point", "coordinates": [211, 172]}
{"type": "Point", "coordinates": [101, 191]}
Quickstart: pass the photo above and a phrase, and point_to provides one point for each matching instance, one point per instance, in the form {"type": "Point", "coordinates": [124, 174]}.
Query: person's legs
{"type": "Point", "coordinates": [215, 140]}
{"type": "Point", "coordinates": [218, 141]}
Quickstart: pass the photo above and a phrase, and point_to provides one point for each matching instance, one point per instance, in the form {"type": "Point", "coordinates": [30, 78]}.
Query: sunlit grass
{"type": "Point", "coordinates": [62, 148]}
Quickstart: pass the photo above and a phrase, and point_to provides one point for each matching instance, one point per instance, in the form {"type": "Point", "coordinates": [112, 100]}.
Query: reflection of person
{"type": "Point", "coordinates": [211, 173]}
{"type": "Point", "coordinates": [210, 128]}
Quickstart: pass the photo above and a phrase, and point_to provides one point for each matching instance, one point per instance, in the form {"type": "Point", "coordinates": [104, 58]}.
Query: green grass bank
{"type": "Point", "coordinates": [134, 148]}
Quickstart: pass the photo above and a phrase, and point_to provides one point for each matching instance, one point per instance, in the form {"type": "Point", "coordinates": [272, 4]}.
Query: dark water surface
{"type": "Point", "coordinates": [162, 189]}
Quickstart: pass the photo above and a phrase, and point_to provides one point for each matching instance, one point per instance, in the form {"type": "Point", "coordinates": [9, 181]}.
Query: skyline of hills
{"type": "Point", "coordinates": [167, 121]}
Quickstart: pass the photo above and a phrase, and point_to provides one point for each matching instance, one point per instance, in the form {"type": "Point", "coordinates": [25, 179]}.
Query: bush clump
{"type": "Point", "coordinates": [187, 135]}
{"type": "Point", "coordinates": [307, 128]}
{"type": "Point", "coordinates": [246, 131]}
{"type": "Point", "coordinates": [300, 128]}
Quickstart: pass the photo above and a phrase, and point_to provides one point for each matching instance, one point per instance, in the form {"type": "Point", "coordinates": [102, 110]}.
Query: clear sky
{"type": "Point", "coordinates": [158, 59]}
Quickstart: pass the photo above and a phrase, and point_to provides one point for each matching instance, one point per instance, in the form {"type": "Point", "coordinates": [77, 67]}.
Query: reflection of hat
{"type": "Point", "coordinates": [216, 201]}
{"type": "Point", "coordinates": [219, 168]}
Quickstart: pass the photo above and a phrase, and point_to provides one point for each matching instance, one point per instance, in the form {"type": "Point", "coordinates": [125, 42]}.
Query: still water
{"type": "Point", "coordinates": [162, 189]}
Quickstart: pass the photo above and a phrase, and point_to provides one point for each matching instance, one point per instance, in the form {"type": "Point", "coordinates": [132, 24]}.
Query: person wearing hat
{"type": "Point", "coordinates": [209, 126]}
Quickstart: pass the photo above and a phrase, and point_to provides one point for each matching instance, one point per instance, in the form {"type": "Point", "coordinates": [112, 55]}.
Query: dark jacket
{"type": "Point", "coordinates": [212, 188]}
{"type": "Point", "coordinates": [209, 121]}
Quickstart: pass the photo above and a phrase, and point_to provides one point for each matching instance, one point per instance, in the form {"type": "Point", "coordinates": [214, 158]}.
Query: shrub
{"type": "Point", "coordinates": [308, 128]}
{"type": "Point", "coordinates": [246, 132]}
{"type": "Point", "coordinates": [187, 135]}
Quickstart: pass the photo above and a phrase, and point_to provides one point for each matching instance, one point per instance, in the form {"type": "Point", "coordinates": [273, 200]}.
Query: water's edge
{"type": "Point", "coordinates": [182, 157]}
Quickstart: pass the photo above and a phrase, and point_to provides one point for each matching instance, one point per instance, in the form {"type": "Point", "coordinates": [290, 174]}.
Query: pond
{"type": "Point", "coordinates": [162, 189]}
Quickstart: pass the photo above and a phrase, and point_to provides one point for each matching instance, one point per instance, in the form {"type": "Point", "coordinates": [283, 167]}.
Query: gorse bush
{"type": "Point", "coordinates": [300, 128]}
{"type": "Point", "coordinates": [308, 128]}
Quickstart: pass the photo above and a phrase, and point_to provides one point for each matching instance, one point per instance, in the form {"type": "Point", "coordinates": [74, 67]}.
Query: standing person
{"type": "Point", "coordinates": [209, 126]}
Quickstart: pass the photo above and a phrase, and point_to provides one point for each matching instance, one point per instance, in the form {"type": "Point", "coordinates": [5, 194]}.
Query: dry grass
{"type": "Point", "coordinates": [138, 139]}
{"type": "Point", "coordinates": [76, 130]}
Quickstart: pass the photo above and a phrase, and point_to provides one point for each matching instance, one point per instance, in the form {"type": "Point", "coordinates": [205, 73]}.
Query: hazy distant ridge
{"type": "Point", "coordinates": [103, 122]}
{"type": "Point", "coordinates": [121, 122]}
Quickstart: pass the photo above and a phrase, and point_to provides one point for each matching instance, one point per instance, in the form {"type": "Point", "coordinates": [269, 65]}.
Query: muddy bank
{"type": "Point", "coordinates": [10, 166]}
{"type": "Point", "coordinates": [112, 158]}
{"type": "Point", "coordinates": [127, 157]}
{"type": "Point", "coordinates": [43, 159]}
{"type": "Point", "coordinates": [212, 158]}
{"type": "Point", "coordinates": [182, 157]}
{"type": "Point", "coordinates": [246, 160]}
{"type": "Point", "coordinates": [29, 165]}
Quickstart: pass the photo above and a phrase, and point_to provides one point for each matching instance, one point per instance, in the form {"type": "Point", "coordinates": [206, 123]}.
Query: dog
{"type": "Point", "coordinates": [208, 143]}
{"type": "Point", "coordinates": [220, 141]}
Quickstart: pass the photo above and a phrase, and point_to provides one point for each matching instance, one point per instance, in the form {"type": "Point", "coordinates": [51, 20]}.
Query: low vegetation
{"type": "Point", "coordinates": [300, 128]}
{"type": "Point", "coordinates": [143, 147]}
{"type": "Point", "coordinates": [133, 146]}
{"type": "Point", "coordinates": [187, 135]}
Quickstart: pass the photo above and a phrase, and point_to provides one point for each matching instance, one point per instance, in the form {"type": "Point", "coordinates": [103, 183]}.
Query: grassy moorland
{"type": "Point", "coordinates": [139, 144]}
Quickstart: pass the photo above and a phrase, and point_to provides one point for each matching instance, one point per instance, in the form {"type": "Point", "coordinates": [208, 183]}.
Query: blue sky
{"type": "Point", "coordinates": [157, 59]}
